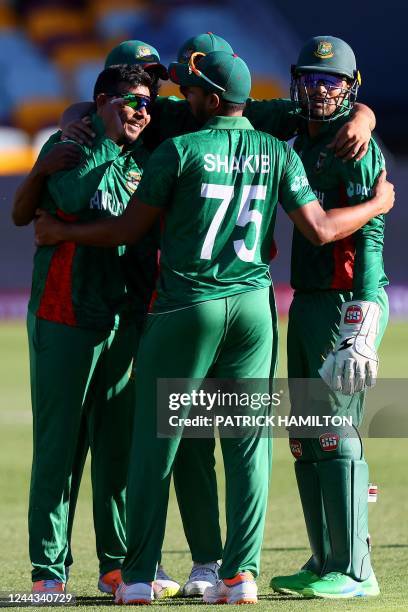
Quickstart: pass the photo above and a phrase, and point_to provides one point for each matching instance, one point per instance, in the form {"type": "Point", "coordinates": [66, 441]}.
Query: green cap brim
{"type": "Point", "coordinates": [180, 74]}
{"type": "Point", "coordinates": [326, 69]}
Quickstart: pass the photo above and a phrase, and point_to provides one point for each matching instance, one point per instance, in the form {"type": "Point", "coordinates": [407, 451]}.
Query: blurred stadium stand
{"type": "Point", "coordinates": [52, 51]}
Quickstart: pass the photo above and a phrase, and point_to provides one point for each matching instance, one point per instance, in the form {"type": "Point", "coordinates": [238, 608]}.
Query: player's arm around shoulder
{"type": "Point", "coordinates": [72, 189]}
{"type": "Point", "coordinates": [144, 208]}
{"type": "Point", "coordinates": [320, 226]}
{"type": "Point", "coordinates": [51, 159]}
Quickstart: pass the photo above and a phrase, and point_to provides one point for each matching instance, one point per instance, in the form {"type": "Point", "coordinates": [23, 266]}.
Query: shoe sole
{"type": "Point", "coordinates": [310, 594]}
{"type": "Point", "coordinates": [286, 591]}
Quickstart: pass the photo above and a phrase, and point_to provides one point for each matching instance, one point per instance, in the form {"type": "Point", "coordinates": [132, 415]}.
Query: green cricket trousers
{"type": "Point", "coordinates": [225, 338]}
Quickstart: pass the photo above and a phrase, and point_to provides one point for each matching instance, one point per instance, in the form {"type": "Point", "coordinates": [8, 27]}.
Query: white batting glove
{"type": "Point", "coordinates": [352, 365]}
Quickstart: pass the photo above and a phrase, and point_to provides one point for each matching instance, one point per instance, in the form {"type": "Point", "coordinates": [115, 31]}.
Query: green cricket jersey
{"type": "Point", "coordinates": [88, 286]}
{"type": "Point", "coordinates": [171, 116]}
{"type": "Point", "coordinates": [355, 263]}
{"type": "Point", "coordinates": [219, 188]}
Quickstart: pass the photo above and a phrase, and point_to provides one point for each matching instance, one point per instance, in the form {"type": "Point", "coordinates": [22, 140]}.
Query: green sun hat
{"type": "Point", "coordinates": [220, 72]}
{"type": "Point", "coordinates": [137, 52]}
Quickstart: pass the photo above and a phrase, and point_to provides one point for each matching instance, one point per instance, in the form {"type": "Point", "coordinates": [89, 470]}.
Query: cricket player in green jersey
{"type": "Point", "coordinates": [194, 474]}
{"type": "Point", "coordinates": [79, 295]}
{"type": "Point", "coordinates": [218, 190]}
{"type": "Point", "coordinates": [336, 322]}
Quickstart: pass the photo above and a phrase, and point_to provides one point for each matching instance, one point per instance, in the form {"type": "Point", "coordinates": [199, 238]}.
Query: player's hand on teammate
{"type": "Point", "coordinates": [384, 191]}
{"type": "Point", "coordinates": [353, 364]}
{"type": "Point", "coordinates": [79, 130]}
{"type": "Point", "coordinates": [352, 140]}
{"type": "Point", "coordinates": [48, 230]}
{"type": "Point", "coordinates": [62, 157]}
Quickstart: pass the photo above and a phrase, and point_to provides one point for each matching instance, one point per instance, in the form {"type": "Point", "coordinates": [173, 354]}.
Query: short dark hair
{"type": "Point", "coordinates": [133, 75]}
{"type": "Point", "coordinates": [232, 107]}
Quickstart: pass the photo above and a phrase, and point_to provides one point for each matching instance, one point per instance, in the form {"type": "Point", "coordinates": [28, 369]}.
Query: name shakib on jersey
{"type": "Point", "coordinates": [102, 200]}
{"type": "Point", "coordinates": [244, 163]}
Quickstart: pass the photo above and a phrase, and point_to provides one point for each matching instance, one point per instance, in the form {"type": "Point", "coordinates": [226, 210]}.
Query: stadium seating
{"type": "Point", "coordinates": [15, 151]}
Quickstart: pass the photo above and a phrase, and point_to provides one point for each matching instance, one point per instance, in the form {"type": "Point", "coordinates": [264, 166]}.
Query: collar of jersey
{"type": "Point", "coordinates": [228, 123]}
{"type": "Point", "coordinates": [327, 130]}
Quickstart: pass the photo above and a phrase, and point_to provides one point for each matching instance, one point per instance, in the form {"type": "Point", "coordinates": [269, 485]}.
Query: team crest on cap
{"type": "Point", "coordinates": [133, 180]}
{"type": "Point", "coordinates": [324, 50]}
{"type": "Point", "coordinates": [354, 314]}
{"type": "Point", "coordinates": [295, 448]}
{"type": "Point", "coordinates": [329, 441]}
{"type": "Point", "coordinates": [143, 51]}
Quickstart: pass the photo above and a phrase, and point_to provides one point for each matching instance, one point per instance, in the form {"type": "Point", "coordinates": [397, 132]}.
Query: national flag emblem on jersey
{"type": "Point", "coordinates": [324, 49]}
{"type": "Point", "coordinates": [295, 448]}
{"type": "Point", "coordinates": [354, 314]}
{"type": "Point", "coordinates": [133, 180]}
{"type": "Point", "coordinates": [329, 441]}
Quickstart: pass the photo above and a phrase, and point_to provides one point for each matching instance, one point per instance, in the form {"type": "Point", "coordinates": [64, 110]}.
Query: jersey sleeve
{"type": "Point", "coordinates": [295, 190]}
{"type": "Point", "coordinates": [72, 189]}
{"type": "Point", "coordinates": [359, 178]}
{"type": "Point", "coordinates": [276, 117]}
{"type": "Point", "coordinates": [159, 175]}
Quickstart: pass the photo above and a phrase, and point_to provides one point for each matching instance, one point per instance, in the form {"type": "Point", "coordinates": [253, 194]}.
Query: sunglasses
{"type": "Point", "coordinates": [135, 101]}
{"type": "Point", "coordinates": [314, 79]}
{"type": "Point", "coordinates": [193, 69]}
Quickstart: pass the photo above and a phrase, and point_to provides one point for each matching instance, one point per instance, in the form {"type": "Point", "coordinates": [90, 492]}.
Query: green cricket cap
{"type": "Point", "coordinates": [220, 72]}
{"type": "Point", "coordinates": [327, 54]}
{"type": "Point", "coordinates": [137, 52]}
{"type": "Point", "coordinates": [205, 43]}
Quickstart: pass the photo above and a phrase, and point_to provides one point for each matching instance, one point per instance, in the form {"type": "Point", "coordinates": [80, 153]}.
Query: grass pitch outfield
{"type": "Point", "coordinates": [285, 545]}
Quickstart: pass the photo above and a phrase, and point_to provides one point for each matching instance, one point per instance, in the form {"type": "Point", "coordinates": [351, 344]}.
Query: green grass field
{"type": "Point", "coordinates": [285, 544]}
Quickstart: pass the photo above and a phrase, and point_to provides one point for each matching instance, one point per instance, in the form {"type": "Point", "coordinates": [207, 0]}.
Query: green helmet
{"type": "Point", "coordinates": [329, 55]}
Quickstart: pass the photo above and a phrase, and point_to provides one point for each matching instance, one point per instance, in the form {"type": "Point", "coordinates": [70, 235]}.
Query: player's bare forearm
{"type": "Point", "coordinates": [135, 222]}
{"type": "Point", "coordinates": [321, 227]}
{"type": "Point", "coordinates": [363, 111]}
{"type": "Point", "coordinates": [352, 139]}
{"type": "Point", "coordinates": [27, 197]}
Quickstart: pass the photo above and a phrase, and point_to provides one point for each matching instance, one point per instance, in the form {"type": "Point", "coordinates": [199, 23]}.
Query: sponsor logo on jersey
{"type": "Point", "coordinates": [354, 314]}
{"type": "Point", "coordinates": [295, 448]}
{"type": "Point", "coordinates": [324, 50]}
{"type": "Point", "coordinates": [320, 161]}
{"type": "Point", "coordinates": [357, 189]}
{"type": "Point", "coordinates": [102, 200]}
{"type": "Point", "coordinates": [329, 441]}
{"type": "Point", "coordinates": [299, 182]}
{"type": "Point", "coordinates": [249, 163]}
{"type": "Point", "coordinates": [133, 180]}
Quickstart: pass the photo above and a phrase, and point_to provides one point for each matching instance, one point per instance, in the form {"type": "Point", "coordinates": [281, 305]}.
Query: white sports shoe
{"type": "Point", "coordinates": [135, 593]}
{"type": "Point", "coordinates": [241, 589]}
{"type": "Point", "coordinates": [202, 575]}
{"type": "Point", "coordinates": [164, 586]}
